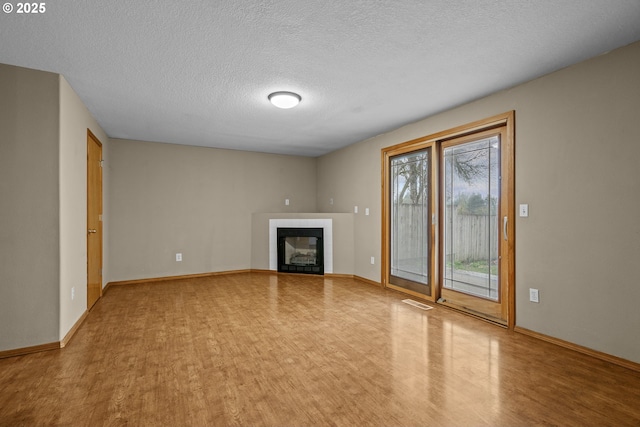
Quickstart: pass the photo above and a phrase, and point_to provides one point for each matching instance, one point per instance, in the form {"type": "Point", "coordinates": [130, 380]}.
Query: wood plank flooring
{"type": "Point", "coordinates": [265, 350]}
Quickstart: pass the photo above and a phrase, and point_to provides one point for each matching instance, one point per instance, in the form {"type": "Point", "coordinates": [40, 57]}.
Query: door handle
{"type": "Point", "coordinates": [92, 230]}
{"type": "Point", "coordinates": [504, 227]}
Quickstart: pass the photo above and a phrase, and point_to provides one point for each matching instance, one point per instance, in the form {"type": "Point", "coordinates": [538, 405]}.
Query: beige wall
{"type": "Point", "coordinates": [350, 178]}
{"type": "Point", "coordinates": [29, 214]}
{"type": "Point", "coordinates": [167, 198]}
{"type": "Point", "coordinates": [43, 128]}
{"type": "Point", "coordinates": [75, 119]}
{"type": "Point", "coordinates": [578, 168]}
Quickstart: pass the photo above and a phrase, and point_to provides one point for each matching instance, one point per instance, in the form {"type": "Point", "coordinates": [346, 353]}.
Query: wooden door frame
{"type": "Point", "coordinates": [506, 120]}
{"type": "Point", "coordinates": [91, 138]}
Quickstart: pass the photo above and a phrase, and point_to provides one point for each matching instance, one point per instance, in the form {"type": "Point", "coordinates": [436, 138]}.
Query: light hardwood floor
{"type": "Point", "coordinates": [258, 349]}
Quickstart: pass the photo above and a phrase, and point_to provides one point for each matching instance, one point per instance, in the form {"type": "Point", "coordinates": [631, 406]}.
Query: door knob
{"type": "Point", "coordinates": [92, 231]}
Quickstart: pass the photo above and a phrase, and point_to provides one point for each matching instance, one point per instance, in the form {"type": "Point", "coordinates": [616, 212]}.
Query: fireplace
{"type": "Point", "coordinates": [300, 250]}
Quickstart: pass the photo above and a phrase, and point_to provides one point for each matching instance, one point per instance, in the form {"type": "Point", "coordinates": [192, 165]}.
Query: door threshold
{"type": "Point", "coordinates": [473, 313]}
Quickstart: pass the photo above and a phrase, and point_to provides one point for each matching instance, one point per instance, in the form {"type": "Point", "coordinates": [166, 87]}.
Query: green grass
{"type": "Point", "coordinates": [475, 266]}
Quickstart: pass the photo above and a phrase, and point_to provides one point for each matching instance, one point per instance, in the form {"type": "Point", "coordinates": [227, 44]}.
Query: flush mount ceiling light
{"type": "Point", "coordinates": [284, 99]}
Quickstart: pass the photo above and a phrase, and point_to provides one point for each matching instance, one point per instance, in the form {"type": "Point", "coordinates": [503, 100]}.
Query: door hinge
{"type": "Point", "coordinates": [102, 163]}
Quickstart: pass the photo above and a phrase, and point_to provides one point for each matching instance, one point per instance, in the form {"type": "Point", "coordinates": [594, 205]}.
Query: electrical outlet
{"type": "Point", "coordinates": [331, 201]}
{"type": "Point", "coordinates": [355, 209]}
{"type": "Point", "coordinates": [73, 293]}
{"type": "Point", "coordinates": [286, 202]}
{"type": "Point", "coordinates": [366, 211]}
{"type": "Point", "coordinates": [178, 257]}
{"type": "Point", "coordinates": [373, 260]}
{"type": "Point", "coordinates": [534, 295]}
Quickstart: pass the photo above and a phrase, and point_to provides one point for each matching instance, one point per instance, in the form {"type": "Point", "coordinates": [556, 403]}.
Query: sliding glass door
{"type": "Point", "coordinates": [471, 209]}
{"type": "Point", "coordinates": [448, 203]}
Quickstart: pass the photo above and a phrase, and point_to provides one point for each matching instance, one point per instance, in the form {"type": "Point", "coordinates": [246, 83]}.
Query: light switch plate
{"type": "Point", "coordinates": [524, 210]}
{"type": "Point", "coordinates": [534, 295]}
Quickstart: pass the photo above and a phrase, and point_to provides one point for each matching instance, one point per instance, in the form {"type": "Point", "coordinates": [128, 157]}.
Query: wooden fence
{"type": "Point", "coordinates": [469, 237]}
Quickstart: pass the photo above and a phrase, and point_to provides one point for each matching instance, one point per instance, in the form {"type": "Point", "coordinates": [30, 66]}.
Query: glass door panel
{"type": "Point", "coordinates": [471, 191]}
{"type": "Point", "coordinates": [410, 225]}
{"type": "Point", "coordinates": [472, 214]}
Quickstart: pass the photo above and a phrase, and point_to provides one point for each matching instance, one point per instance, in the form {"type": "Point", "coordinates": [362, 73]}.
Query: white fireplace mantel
{"type": "Point", "coordinates": [325, 224]}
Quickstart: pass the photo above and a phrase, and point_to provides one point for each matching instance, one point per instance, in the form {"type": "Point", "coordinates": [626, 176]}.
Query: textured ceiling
{"type": "Point", "coordinates": [199, 72]}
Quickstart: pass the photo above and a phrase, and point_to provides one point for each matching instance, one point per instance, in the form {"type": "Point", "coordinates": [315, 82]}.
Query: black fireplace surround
{"type": "Point", "coordinates": [300, 250]}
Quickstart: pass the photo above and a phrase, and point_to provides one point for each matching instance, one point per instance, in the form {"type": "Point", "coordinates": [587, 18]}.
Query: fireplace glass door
{"type": "Point", "coordinates": [300, 250]}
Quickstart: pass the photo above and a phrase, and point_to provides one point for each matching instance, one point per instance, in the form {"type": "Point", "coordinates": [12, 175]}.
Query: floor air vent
{"type": "Point", "coordinates": [417, 304]}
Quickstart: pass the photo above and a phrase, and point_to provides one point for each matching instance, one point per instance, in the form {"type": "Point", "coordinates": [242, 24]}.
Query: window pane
{"type": "Point", "coordinates": [301, 250]}
{"type": "Point", "coordinates": [471, 229]}
{"type": "Point", "coordinates": [410, 224]}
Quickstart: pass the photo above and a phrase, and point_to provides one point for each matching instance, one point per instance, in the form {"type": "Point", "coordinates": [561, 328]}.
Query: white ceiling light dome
{"type": "Point", "coordinates": [285, 99]}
